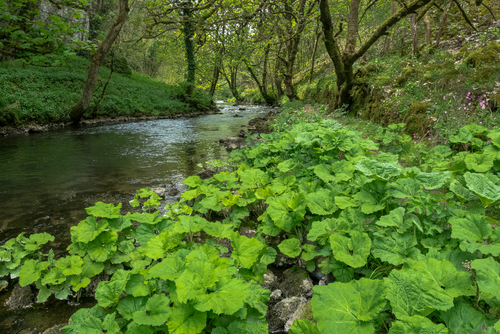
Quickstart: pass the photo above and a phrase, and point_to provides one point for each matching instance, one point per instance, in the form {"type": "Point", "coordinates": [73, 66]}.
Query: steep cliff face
{"type": "Point", "coordinates": [74, 15]}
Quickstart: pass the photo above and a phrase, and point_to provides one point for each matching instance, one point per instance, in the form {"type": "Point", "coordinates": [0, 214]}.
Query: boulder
{"type": "Point", "coordinates": [296, 283]}
{"type": "Point", "coordinates": [55, 330]}
{"type": "Point", "coordinates": [304, 312]}
{"type": "Point", "coordinates": [159, 191]}
{"type": "Point", "coordinates": [280, 313]}
{"type": "Point", "coordinates": [21, 297]}
{"type": "Point", "coordinates": [173, 192]}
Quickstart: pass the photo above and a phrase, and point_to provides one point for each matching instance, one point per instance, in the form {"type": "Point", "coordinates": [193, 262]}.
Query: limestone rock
{"type": "Point", "coordinates": [159, 191]}
{"type": "Point", "coordinates": [20, 298]}
{"type": "Point", "coordinates": [55, 330]}
{"type": "Point", "coordinates": [280, 313]}
{"type": "Point", "coordinates": [296, 283]}
{"type": "Point", "coordinates": [173, 192]}
{"type": "Point", "coordinates": [304, 312]}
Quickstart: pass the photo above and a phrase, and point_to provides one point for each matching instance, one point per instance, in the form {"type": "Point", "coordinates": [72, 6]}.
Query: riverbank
{"type": "Point", "coordinates": [43, 95]}
{"type": "Point", "coordinates": [35, 128]}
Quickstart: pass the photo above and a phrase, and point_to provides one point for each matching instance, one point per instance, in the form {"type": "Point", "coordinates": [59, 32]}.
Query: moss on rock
{"type": "Point", "coordinates": [416, 119]}
{"type": "Point", "coordinates": [487, 55]}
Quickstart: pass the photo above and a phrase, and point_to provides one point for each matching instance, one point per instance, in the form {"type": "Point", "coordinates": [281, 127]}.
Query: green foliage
{"type": "Point", "coordinates": [45, 94]}
{"type": "Point", "coordinates": [408, 248]}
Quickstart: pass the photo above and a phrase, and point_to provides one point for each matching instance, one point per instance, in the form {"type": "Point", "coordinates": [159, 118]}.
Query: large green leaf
{"type": "Point", "coordinates": [190, 224]}
{"type": "Point", "coordinates": [91, 268]}
{"type": "Point", "coordinates": [88, 229]}
{"type": "Point", "coordinates": [195, 280]}
{"type": "Point", "coordinates": [36, 241]}
{"type": "Point", "coordinates": [168, 269]}
{"type": "Point", "coordinates": [322, 228]}
{"type": "Point", "coordinates": [352, 251]}
{"type": "Point", "coordinates": [290, 247]}
{"type": "Point", "coordinates": [417, 325]}
{"type": "Point", "coordinates": [395, 249]}
{"type": "Point", "coordinates": [480, 163]}
{"type": "Point", "coordinates": [103, 247]}
{"type": "Point", "coordinates": [186, 320]}
{"type": "Point", "coordinates": [463, 194]}
{"type": "Point", "coordinates": [413, 291]}
{"type": "Point", "coordinates": [219, 230]}
{"type": "Point", "coordinates": [472, 231]}
{"type": "Point", "coordinates": [157, 311]}
{"type": "Point", "coordinates": [394, 218]}
{"type": "Point", "coordinates": [463, 136]}
{"type": "Point", "coordinates": [369, 202]}
{"type": "Point", "coordinates": [70, 265]}
{"type": "Point", "coordinates": [118, 224]}
{"type": "Point", "coordinates": [129, 305]}
{"type": "Point", "coordinates": [192, 181]}
{"type": "Point", "coordinates": [487, 191]}
{"type": "Point", "coordinates": [463, 319]}
{"type": "Point", "coordinates": [104, 210]}
{"type": "Point", "coordinates": [158, 246]}
{"type": "Point", "coordinates": [145, 232]}
{"type": "Point", "coordinates": [229, 296]}
{"type": "Point", "coordinates": [348, 307]}
{"type": "Point", "coordinates": [31, 272]}
{"type": "Point", "coordinates": [488, 275]}
{"type": "Point", "coordinates": [145, 218]}
{"type": "Point", "coordinates": [302, 326]}
{"type": "Point", "coordinates": [378, 170]}
{"type": "Point", "coordinates": [321, 202]}
{"type": "Point", "coordinates": [324, 172]}
{"type": "Point", "coordinates": [246, 250]}
{"type": "Point", "coordinates": [138, 286]}
{"type": "Point", "coordinates": [108, 292]}
{"type": "Point", "coordinates": [432, 181]}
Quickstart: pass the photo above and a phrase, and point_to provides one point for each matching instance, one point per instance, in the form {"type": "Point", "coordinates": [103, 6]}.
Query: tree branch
{"type": "Point", "coordinates": [464, 14]}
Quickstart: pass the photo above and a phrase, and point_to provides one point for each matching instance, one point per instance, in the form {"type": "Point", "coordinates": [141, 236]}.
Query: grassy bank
{"type": "Point", "coordinates": [45, 94]}
{"type": "Point", "coordinates": [434, 94]}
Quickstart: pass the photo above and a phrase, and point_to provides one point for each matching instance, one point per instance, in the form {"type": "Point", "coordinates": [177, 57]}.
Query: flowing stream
{"type": "Point", "coordinates": [48, 179]}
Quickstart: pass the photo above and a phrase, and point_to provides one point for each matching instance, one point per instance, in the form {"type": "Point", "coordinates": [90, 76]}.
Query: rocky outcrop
{"type": "Point", "coordinates": [21, 297]}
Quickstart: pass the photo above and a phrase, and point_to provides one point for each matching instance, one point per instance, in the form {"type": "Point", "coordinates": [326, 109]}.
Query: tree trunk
{"type": "Point", "coordinates": [427, 23]}
{"type": "Point", "coordinates": [215, 79]}
{"type": "Point", "coordinates": [188, 31]}
{"type": "Point", "coordinates": [414, 35]}
{"type": "Point", "coordinates": [443, 24]}
{"type": "Point", "coordinates": [387, 44]}
{"type": "Point", "coordinates": [76, 113]}
{"type": "Point", "coordinates": [318, 35]}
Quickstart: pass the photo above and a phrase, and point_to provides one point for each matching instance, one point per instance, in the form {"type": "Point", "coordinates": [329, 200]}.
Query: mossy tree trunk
{"type": "Point", "coordinates": [188, 29]}
{"type": "Point", "coordinates": [343, 62]}
{"type": "Point", "coordinates": [76, 113]}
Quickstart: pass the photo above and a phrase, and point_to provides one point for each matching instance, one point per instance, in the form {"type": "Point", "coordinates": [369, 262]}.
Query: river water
{"type": "Point", "coordinates": [48, 179]}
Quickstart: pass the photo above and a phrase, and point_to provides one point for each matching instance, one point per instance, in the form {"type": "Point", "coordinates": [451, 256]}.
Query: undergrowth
{"type": "Point", "coordinates": [45, 94]}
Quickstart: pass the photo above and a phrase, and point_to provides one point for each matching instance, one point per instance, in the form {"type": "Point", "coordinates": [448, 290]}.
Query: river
{"type": "Point", "coordinates": [48, 179]}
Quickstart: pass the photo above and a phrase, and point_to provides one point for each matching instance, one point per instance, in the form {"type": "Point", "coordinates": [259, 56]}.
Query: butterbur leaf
{"type": "Point", "coordinates": [91, 268]}
{"type": "Point", "coordinates": [378, 170]}
{"type": "Point", "coordinates": [348, 307]}
{"type": "Point", "coordinates": [31, 272]}
{"type": "Point", "coordinates": [129, 305]}
{"type": "Point", "coordinates": [255, 323]}
{"type": "Point", "coordinates": [195, 280]}
{"type": "Point", "coordinates": [157, 247]}
{"type": "Point", "coordinates": [109, 325]}
{"type": "Point", "coordinates": [290, 247]}
{"type": "Point", "coordinates": [321, 202]}
{"type": "Point", "coordinates": [268, 256]}
{"type": "Point", "coordinates": [246, 250]}
{"type": "Point", "coordinates": [157, 311]}
{"type": "Point", "coordinates": [53, 277]}
{"type": "Point", "coordinates": [480, 163]}
{"type": "Point", "coordinates": [302, 326]}
{"type": "Point", "coordinates": [463, 319]}
{"type": "Point", "coordinates": [108, 292]}
{"type": "Point", "coordinates": [417, 325]}
{"type": "Point", "coordinates": [169, 268]}
{"type": "Point", "coordinates": [463, 136]}
{"type": "Point", "coordinates": [415, 292]}
{"type": "Point", "coordinates": [104, 210]}
{"type": "Point", "coordinates": [70, 265]}
{"type": "Point", "coordinates": [145, 218]}
{"type": "Point", "coordinates": [344, 202]}
{"type": "Point", "coordinates": [145, 232]}
{"type": "Point", "coordinates": [472, 231]}
{"type": "Point", "coordinates": [192, 181]}
{"type": "Point", "coordinates": [432, 181]}
{"type": "Point", "coordinates": [78, 282]}
{"type": "Point", "coordinates": [186, 320]}
{"type": "Point", "coordinates": [309, 253]}
{"type": "Point", "coordinates": [229, 296]}
{"type": "Point", "coordinates": [190, 224]}
{"type": "Point", "coordinates": [118, 224]}
{"type": "Point", "coordinates": [353, 251]}
{"type": "Point", "coordinates": [103, 247]}
{"type": "Point", "coordinates": [135, 328]}
{"type": "Point", "coordinates": [286, 165]}
{"type": "Point", "coordinates": [462, 193]}
{"type": "Point", "coordinates": [395, 249]}
{"type": "Point", "coordinates": [36, 241]}
{"type": "Point", "coordinates": [324, 172]}
{"type": "Point", "coordinates": [486, 190]}
{"type": "Point", "coordinates": [88, 229]}
{"type": "Point", "coordinates": [138, 286]}
{"type": "Point", "coordinates": [219, 230]}
{"type": "Point", "coordinates": [488, 275]}
{"type": "Point", "coordinates": [322, 228]}
{"type": "Point", "coordinates": [394, 218]}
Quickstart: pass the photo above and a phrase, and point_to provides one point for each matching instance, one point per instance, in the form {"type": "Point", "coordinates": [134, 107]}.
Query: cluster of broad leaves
{"type": "Point", "coordinates": [156, 278]}
{"type": "Point", "coordinates": [411, 250]}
